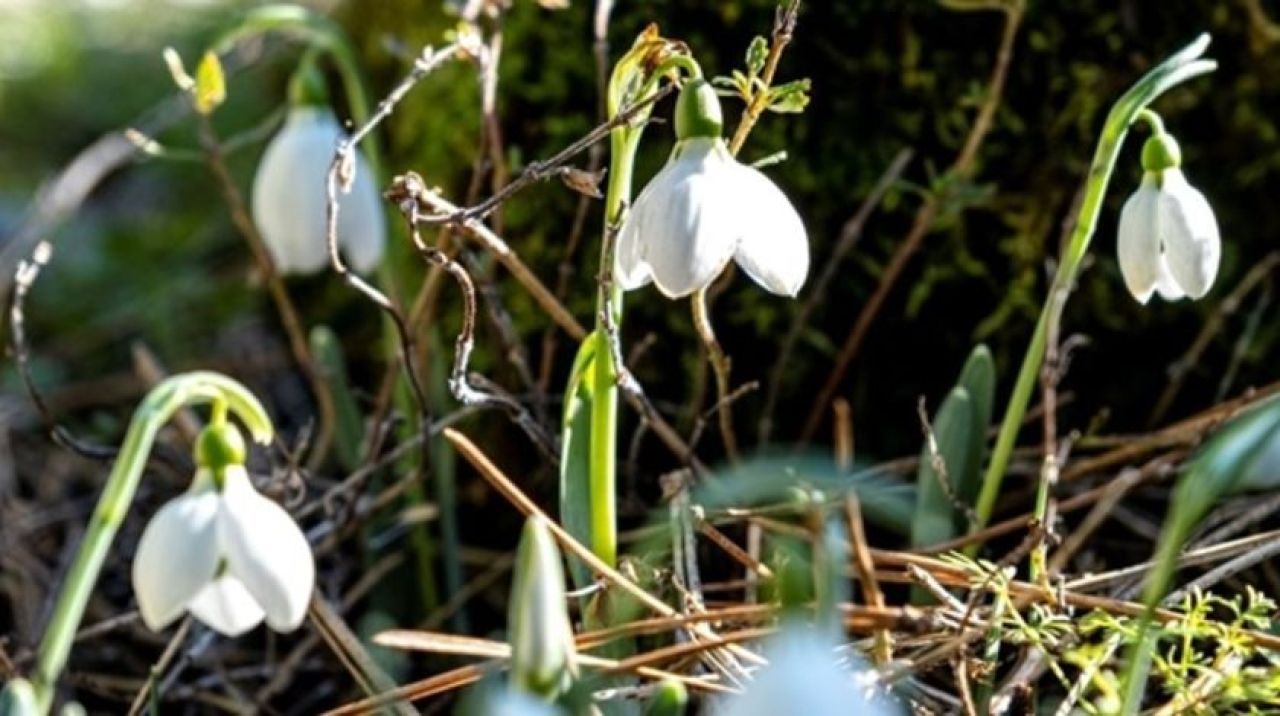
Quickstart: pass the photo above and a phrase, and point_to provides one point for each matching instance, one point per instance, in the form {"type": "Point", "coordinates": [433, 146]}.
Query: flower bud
{"type": "Point", "coordinates": [698, 111]}
{"type": "Point", "coordinates": [18, 699]}
{"type": "Point", "coordinates": [1161, 152]}
{"type": "Point", "coordinates": [220, 445]}
{"type": "Point", "coordinates": [542, 648]}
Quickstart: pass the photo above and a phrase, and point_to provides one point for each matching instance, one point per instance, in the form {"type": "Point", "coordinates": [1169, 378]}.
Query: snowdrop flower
{"type": "Point", "coordinates": [222, 551]}
{"type": "Point", "coordinates": [289, 190]}
{"type": "Point", "coordinates": [1168, 239]}
{"type": "Point", "coordinates": [703, 209]}
{"type": "Point", "coordinates": [803, 677]}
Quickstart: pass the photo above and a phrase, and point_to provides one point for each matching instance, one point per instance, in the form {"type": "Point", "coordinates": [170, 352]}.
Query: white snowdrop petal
{"type": "Point", "coordinates": [362, 224]}
{"type": "Point", "coordinates": [803, 677]}
{"type": "Point", "coordinates": [1189, 232]}
{"type": "Point", "coordinates": [1166, 285]}
{"type": "Point", "coordinates": [265, 549]}
{"type": "Point", "coordinates": [773, 248]}
{"type": "Point", "coordinates": [1138, 241]}
{"type": "Point", "coordinates": [177, 556]}
{"type": "Point", "coordinates": [629, 267]}
{"type": "Point", "coordinates": [691, 225]}
{"type": "Point", "coordinates": [289, 197]}
{"type": "Point", "coordinates": [225, 606]}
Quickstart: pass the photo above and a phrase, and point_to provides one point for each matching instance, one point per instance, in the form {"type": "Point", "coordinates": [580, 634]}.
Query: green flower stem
{"type": "Point", "coordinates": [155, 410]}
{"type": "Point", "coordinates": [623, 143]}
{"type": "Point", "coordinates": [1178, 68]}
{"type": "Point", "coordinates": [602, 488]}
{"type": "Point", "coordinates": [1153, 121]}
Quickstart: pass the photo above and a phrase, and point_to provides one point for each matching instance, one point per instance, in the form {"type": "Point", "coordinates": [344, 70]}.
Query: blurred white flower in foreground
{"type": "Point", "coordinates": [289, 196]}
{"type": "Point", "coordinates": [1168, 240]}
{"type": "Point", "coordinates": [542, 646]}
{"type": "Point", "coordinates": [703, 209]}
{"type": "Point", "coordinates": [226, 554]}
{"type": "Point", "coordinates": [803, 677]}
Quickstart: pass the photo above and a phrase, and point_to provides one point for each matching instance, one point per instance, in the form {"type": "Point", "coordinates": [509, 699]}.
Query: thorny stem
{"type": "Point", "coordinates": [151, 414]}
{"type": "Point", "coordinates": [289, 319]}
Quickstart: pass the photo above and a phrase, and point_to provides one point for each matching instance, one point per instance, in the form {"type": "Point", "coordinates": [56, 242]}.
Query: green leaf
{"type": "Point", "coordinates": [952, 430]}
{"type": "Point", "coordinates": [1216, 471]}
{"type": "Point", "coordinates": [211, 85]}
{"type": "Point", "coordinates": [757, 54]}
{"type": "Point", "coordinates": [1224, 463]}
{"type": "Point", "coordinates": [349, 425]}
{"type": "Point", "coordinates": [790, 98]}
{"type": "Point", "coordinates": [886, 501]}
{"type": "Point", "coordinates": [575, 455]}
{"type": "Point", "coordinates": [978, 377]}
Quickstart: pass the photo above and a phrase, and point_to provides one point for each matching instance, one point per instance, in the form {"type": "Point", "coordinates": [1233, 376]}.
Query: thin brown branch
{"type": "Point", "coordinates": [720, 365]}
{"type": "Point", "coordinates": [866, 571]}
{"type": "Point", "coordinates": [784, 26]}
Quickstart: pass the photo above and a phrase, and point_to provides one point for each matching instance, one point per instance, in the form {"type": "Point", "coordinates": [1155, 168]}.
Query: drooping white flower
{"type": "Point", "coordinates": [226, 554]}
{"type": "Point", "coordinates": [804, 676]}
{"type": "Point", "coordinates": [289, 196]}
{"type": "Point", "coordinates": [1167, 241]}
{"type": "Point", "coordinates": [703, 209]}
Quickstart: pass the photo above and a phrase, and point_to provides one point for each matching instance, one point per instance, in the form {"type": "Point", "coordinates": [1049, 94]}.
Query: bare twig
{"type": "Point", "coordinates": [24, 278]}
{"type": "Point", "coordinates": [408, 192]}
{"type": "Point", "coordinates": [866, 571]}
{"type": "Point", "coordinates": [550, 168]}
{"type": "Point", "coordinates": [721, 364]}
{"type": "Point", "coordinates": [784, 26]}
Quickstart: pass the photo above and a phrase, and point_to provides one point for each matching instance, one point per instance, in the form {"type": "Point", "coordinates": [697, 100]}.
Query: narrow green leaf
{"type": "Point", "coordinates": [978, 377]}
{"type": "Point", "coordinates": [952, 428]}
{"type": "Point", "coordinates": [575, 455]}
{"type": "Point", "coordinates": [349, 425]}
{"type": "Point", "coordinates": [1217, 470]}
